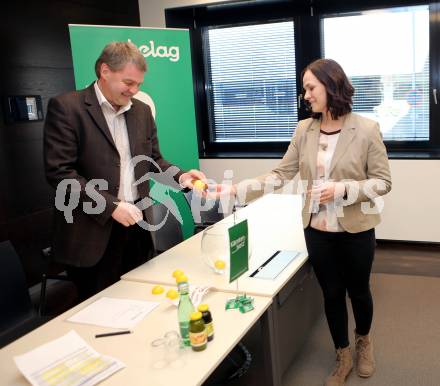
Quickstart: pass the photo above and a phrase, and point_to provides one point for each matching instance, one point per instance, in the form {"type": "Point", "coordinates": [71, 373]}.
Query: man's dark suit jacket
{"type": "Point", "coordinates": [78, 145]}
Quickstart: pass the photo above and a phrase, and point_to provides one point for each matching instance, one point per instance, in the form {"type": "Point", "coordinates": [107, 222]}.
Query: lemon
{"type": "Point", "coordinates": [220, 264]}
{"type": "Point", "coordinates": [172, 294]}
{"type": "Point", "coordinates": [157, 290]}
{"type": "Point", "coordinates": [200, 185]}
{"type": "Point", "coordinates": [177, 273]}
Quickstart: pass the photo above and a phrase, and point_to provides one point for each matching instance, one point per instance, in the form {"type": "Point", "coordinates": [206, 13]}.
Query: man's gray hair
{"type": "Point", "coordinates": [117, 54]}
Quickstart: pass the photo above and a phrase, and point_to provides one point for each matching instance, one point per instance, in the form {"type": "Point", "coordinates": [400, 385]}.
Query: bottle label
{"type": "Point", "coordinates": [209, 329]}
{"type": "Point", "coordinates": [198, 338]}
{"type": "Point", "coordinates": [184, 329]}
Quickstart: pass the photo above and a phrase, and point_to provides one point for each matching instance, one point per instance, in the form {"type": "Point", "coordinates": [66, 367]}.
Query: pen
{"type": "Point", "coordinates": [113, 333]}
{"type": "Point", "coordinates": [264, 264]}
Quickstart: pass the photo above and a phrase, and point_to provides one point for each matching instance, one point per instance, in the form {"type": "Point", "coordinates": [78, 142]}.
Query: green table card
{"type": "Point", "coordinates": [239, 250]}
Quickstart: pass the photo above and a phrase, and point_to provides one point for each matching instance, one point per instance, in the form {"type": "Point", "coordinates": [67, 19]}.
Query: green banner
{"type": "Point", "coordinates": [167, 88]}
{"type": "Point", "coordinates": [239, 250]}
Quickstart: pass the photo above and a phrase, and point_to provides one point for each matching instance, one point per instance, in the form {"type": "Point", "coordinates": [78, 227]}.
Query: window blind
{"type": "Point", "coordinates": [251, 82]}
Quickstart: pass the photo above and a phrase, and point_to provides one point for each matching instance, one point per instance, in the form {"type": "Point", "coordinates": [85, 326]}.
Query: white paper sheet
{"type": "Point", "coordinates": [196, 294]}
{"type": "Point", "coordinates": [270, 270]}
{"type": "Point", "coordinates": [114, 313]}
{"type": "Point", "coordinates": [68, 360]}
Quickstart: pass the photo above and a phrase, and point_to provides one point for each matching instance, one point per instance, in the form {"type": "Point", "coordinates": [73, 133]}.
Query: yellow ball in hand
{"type": "Point", "coordinates": [220, 264]}
{"type": "Point", "coordinates": [172, 294]}
{"type": "Point", "coordinates": [200, 185]}
{"type": "Point", "coordinates": [157, 290]}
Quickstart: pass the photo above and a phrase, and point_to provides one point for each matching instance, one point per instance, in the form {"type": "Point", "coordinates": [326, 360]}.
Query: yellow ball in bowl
{"type": "Point", "coordinates": [220, 264]}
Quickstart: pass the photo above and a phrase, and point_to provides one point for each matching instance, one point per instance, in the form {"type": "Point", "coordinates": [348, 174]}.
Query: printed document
{"type": "Point", "coordinates": [114, 313]}
{"type": "Point", "coordinates": [68, 360]}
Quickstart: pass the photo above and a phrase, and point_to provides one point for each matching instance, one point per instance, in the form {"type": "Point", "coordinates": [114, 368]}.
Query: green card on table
{"type": "Point", "coordinates": [239, 250]}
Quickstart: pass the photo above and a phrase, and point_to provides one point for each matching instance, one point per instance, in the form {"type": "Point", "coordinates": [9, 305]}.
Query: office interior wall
{"type": "Point", "coordinates": [152, 13]}
{"type": "Point", "coordinates": [412, 208]}
{"type": "Point", "coordinates": [35, 59]}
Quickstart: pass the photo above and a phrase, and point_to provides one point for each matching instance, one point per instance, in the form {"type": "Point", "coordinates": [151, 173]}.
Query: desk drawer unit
{"type": "Point", "coordinates": [297, 308]}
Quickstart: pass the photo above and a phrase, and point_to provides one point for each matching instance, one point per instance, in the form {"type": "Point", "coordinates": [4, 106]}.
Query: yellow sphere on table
{"type": "Point", "coordinates": [157, 290]}
{"type": "Point", "coordinates": [177, 273]}
{"type": "Point", "coordinates": [219, 264]}
{"type": "Point", "coordinates": [181, 279]}
{"type": "Point", "coordinates": [172, 294]}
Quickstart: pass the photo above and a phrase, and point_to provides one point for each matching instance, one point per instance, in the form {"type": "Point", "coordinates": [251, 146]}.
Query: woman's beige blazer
{"type": "Point", "coordinates": [360, 161]}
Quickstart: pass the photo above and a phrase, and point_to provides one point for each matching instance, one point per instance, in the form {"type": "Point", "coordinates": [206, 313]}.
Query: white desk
{"type": "Point", "coordinates": [274, 223]}
{"type": "Point", "coordinates": [133, 350]}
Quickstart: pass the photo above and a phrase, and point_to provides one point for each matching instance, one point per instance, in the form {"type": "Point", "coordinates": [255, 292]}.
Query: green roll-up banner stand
{"type": "Point", "coordinates": [167, 88]}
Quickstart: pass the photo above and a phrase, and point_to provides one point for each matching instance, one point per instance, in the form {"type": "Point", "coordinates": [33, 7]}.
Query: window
{"type": "Point", "coordinates": [251, 82]}
{"type": "Point", "coordinates": [388, 65]}
{"type": "Point", "coordinates": [248, 58]}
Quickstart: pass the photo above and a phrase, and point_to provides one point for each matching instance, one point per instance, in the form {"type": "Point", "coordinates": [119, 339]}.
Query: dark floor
{"type": "Point", "coordinates": [402, 258]}
{"type": "Point", "coordinates": [406, 287]}
{"type": "Point", "coordinates": [405, 332]}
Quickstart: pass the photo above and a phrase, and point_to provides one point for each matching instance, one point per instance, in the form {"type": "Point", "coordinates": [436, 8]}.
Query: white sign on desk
{"type": "Point", "coordinates": [114, 313]}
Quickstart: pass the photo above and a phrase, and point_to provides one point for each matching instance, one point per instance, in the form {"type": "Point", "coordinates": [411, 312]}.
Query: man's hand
{"type": "Point", "coordinates": [211, 191]}
{"type": "Point", "coordinates": [186, 179]}
{"type": "Point", "coordinates": [127, 214]}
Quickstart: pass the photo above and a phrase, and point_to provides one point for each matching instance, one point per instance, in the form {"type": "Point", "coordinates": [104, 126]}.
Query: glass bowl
{"type": "Point", "coordinates": [215, 247]}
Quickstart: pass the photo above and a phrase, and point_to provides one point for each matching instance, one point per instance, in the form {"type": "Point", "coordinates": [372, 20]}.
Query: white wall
{"type": "Point", "coordinates": [412, 209]}
{"type": "Point", "coordinates": [152, 11]}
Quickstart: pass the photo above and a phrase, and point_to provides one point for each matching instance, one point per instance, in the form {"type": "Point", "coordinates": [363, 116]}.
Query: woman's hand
{"type": "Point", "coordinates": [327, 191]}
{"type": "Point", "coordinates": [216, 191]}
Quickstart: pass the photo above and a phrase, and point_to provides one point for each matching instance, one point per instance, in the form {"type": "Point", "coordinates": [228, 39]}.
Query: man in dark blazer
{"type": "Point", "coordinates": [90, 137]}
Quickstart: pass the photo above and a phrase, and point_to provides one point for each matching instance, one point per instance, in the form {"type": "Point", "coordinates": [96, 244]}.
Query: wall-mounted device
{"type": "Point", "coordinates": [23, 108]}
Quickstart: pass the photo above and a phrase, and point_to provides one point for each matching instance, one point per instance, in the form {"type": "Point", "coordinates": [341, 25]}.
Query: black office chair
{"type": "Point", "coordinates": [60, 287]}
{"type": "Point", "coordinates": [18, 316]}
{"type": "Point", "coordinates": [169, 234]}
{"type": "Point", "coordinates": [204, 213]}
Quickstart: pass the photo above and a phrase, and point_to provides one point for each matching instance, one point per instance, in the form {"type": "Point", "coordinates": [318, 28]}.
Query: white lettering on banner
{"type": "Point", "coordinates": [172, 53]}
{"type": "Point", "coordinates": [238, 243]}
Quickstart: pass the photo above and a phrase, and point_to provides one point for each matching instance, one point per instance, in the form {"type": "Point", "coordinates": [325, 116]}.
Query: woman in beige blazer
{"type": "Point", "coordinates": [343, 167]}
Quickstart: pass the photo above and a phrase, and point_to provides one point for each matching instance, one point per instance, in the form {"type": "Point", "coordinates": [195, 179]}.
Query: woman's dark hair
{"type": "Point", "coordinates": [338, 87]}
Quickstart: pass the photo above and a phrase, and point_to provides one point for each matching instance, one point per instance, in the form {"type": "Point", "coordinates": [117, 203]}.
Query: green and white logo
{"type": "Point", "coordinates": [159, 51]}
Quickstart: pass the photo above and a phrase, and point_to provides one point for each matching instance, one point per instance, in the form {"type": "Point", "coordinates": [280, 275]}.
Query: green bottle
{"type": "Point", "coordinates": [185, 309]}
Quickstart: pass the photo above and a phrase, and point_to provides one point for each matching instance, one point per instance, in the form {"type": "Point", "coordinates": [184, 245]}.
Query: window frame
{"type": "Point", "coordinates": [232, 14]}
{"type": "Point", "coordinates": [405, 149]}
{"type": "Point", "coordinates": [307, 25]}
{"type": "Point", "coordinates": [263, 146]}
